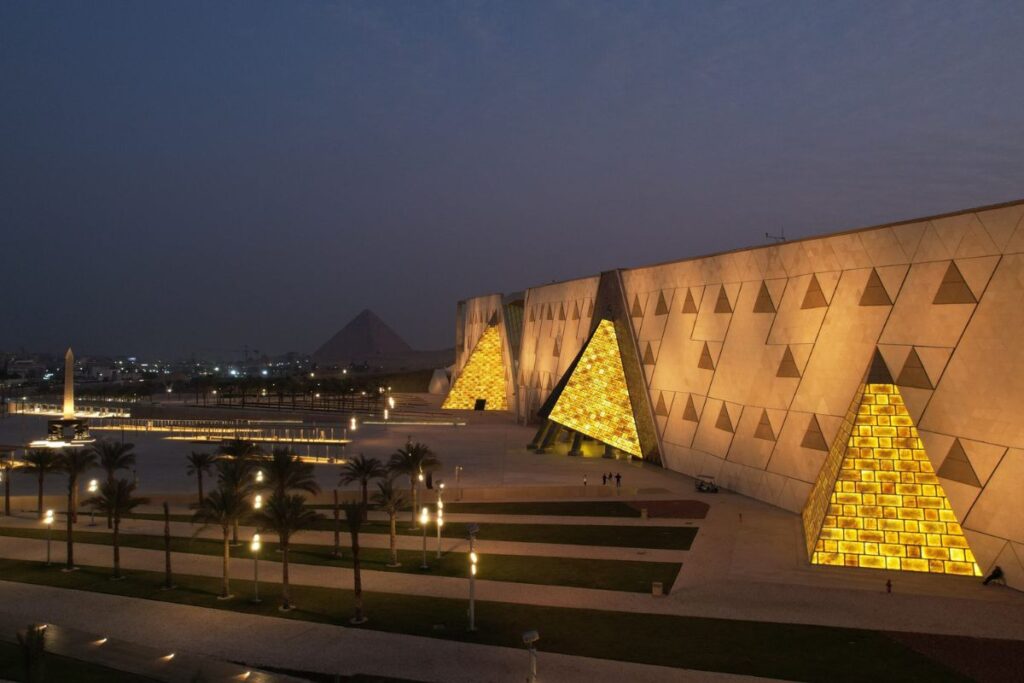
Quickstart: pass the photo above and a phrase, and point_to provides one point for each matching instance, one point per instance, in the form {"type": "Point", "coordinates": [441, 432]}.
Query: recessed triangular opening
{"type": "Point", "coordinates": [595, 399]}
{"type": "Point", "coordinates": [764, 428]}
{"type": "Point", "coordinates": [558, 348]}
{"type": "Point", "coordinates": [724, 422]}
{"type": "Point", "coordinates": [814, 297]}
{"type": "Point", "coordinates": [957, 467]}
{"type": "Point", "coordinates": [690, 411]}
{"type": "Point", "coordinates": [561, 311]}
{"type": "Point", "coordinates": [648, 355]}
{"type": "Point", "coordinates": [662, 307]}
{"type": "Point", "coordinates": [575, 310]}
{"type": "Point", "coordinates": [706, 362]}
{"type": "Point", "coordinates": [875, 293]}
{"type": "Point", "coordinates": [661, 409]}
{"type": "Point", "coordinates": [637, 311]}
{"type": "Point", "coordinates": [913, 373]}
{"type": "Point", "coordinates": [764, 303]}
{"type": "Point", "coordinates": [813, 438]}
{"type": "Point", "coordinates": [590, 310]}
{"type": "Point", "coordinates": [722, 305]}
{"type": "Point", "coordinates": [550, 314]}
{"type": "Point", "coordinates": [689, 305]}
{"type": "Point", "coordinates": [877, 502]}
{"type": "Point", "coordinates": [787, 366]}
{"type": "Point", "coordinates": [954, 289]}
{"type": "Point", "coordinates": [533, 314]}
{"type": "Point", "coordinates": [483, 376]}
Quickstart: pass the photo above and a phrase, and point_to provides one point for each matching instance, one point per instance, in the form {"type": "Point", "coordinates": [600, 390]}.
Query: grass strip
{"type": "Point", "coordinates": [593, 508]}
{"type": "Point", "coordinates": [788, 651]}
{"type": "Point", "coordinates": [616, 575]}
{"type": "Point", "coordinates": [649, 537]}
{"type": "Point", "coordinates": [61, 668]}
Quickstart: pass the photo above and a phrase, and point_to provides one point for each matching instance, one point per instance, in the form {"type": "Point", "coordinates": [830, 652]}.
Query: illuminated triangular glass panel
{"type": "Point", "coordinates": [482, 378]}
{"type": "Point", "coordinates": [883, 506]}
{"type": "Point", "coordinates": [595, 400]}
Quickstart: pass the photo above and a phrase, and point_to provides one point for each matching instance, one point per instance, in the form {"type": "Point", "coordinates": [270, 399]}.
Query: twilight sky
{"type": "Point", "coordinates": [184, 177]}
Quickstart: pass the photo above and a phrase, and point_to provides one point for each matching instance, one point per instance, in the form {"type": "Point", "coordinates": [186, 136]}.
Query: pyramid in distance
{"type": "Point", "coordinates": [365, 338]}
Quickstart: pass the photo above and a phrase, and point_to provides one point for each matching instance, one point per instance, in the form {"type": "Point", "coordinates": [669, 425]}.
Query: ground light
{"type": "Point", "coordinates": [424, 521]}
{"type": "Point", "coordinates": [254, 546]}
{"type": "Point", "coordinates": [48, 521]}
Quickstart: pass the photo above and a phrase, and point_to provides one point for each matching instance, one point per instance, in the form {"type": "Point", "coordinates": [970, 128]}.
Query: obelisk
{"type": "Point", "coordinates": [69, 385]}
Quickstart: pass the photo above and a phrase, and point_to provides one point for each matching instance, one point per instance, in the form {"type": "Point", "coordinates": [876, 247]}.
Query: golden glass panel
{"type": "Point", "coordinates": [483, 376]}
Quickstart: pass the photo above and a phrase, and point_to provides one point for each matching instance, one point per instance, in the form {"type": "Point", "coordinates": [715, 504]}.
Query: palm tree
{"type": "Point", "coordinates": [354, 517]}
{"type": "Point", "coordinates": [363, 470]}
{"type": "Point", "coordinates": [390, 500]}
{"type": "Point", "coordinates": [8, 468]}
{"type": "Point", "coordinates": [74, 461]}
{"type": "Point", "coordinates": [239, 448]}
{"type": "Point", "coordinates": [113, 456]}
{"type": "Point", "coordinates": [40, 461]}
{"type": "Point", "coordinates": [225, 506]}
{"type": "Point", "coordinates": [235, 475]}
{"type": "Point", "coordinates": [286, 514]}
{"type": "Point", "coordinates": [116, 498]}
{"type": "Point", "coordinates": [199, 464]}
{"type": "Point", "coordinates": [412, 461]}
{"type": "Point", "coordinates": [287, 472]}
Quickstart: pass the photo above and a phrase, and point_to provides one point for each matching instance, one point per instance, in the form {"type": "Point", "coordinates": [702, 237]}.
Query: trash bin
{"type": "Point", "coordinates": [657, 589]}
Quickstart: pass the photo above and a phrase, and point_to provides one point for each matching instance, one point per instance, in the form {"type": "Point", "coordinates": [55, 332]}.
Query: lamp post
{"type": "Point", "coordinates": [472, 586]}
{"type": "Point", "coordinates": [424, 521]}
{"type": "Point", "coordinates": [94, 486]}
{"type": "Point", "coordinates": [257, 502]}
{"type": "Point", "coordinates": [254, 546]}
{"type": "Point", "coordinates": [48, 521]}
{"type": "Point", "coordinates": [440, 516]}
{"type": "Point", "coordinates": [259, 476]}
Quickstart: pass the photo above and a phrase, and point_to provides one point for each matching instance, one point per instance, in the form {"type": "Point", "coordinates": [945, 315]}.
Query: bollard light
{"type": "Point", "coordinates": [255, 544]}
{"type": "Point", "coordinates": [94, 485]}
{"type": "Point", "coordinates": [257, 502]}
{"type": "Point", "coordinates": [259, 476]}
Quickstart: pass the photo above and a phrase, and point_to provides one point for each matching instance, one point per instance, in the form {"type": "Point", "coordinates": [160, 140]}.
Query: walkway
{"type": "Point", "coordinates": [304, 646]}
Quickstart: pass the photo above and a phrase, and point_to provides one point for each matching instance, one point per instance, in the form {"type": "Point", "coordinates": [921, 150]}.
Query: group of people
{"type": "Point", "coordinates": [606, 478]}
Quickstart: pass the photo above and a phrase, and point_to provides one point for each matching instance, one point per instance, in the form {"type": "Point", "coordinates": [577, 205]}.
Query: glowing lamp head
{"type": "Point", "coordinates": [386, 414]}
{"type": "Point", "coordinates": [391, 402]}
{"type": "Point", "coordinates": [472, 557]}
{"type": "Point", "coordinates": [420, 476]}
{"type": "Point", "coordinates": [440, 505]}
{"type": "Point", "coordinates": [352, 424]}
{"type": "Point", "coordinates": [424, 516]}
{"type": "Point", "coordinates": [472, 569]}
{"type": "Point", "coordinates": [257, 502]}
{"type": "Point", "coordinates": [255, 544]}
{"type": "Point", "coordinates": [48, 519]}
{"type": "Point", "coordinates": [259, 476]}
{"type": "Point", "coordinates": [94, 486]}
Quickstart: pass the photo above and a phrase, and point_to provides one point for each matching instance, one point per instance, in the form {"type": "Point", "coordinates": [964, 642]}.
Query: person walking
{"type": "Point", "coordinates": [618, 480]}
{"type": "Point", "coordinates": [604, 479]}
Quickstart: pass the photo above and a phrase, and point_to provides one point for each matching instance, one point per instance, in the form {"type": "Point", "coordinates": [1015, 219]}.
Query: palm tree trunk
{"type": "Point", "coordinates": [110, 517]}
{"type": "Point", "coordinates": [74, 503]}
{"type": "Point", "coordinates": [357, 579]}
{"type": "Point", "coordinates": [394, 535]}
{"type": "Point", "coordinates": [366, 508]}
{"type": "Point", "coordinates": [286, 602]}
{"type": "Point", "coordinates": [7, 493]}
{"type": "Point", "coordinates": [42, 475]}
{"type": "Point", "coordinates": [227, 556]}
{"type": "Point", "coordinates": [199, 478]}
{"type": "Point", "coordinates": [234, 533]}
{"type": "Point", "coordinates": [412, 496]}
{"type": "Point", "coordinates": [337, 527]}
{"type": "Point", "coordinates": [117, 548]}
{"type": "Point", "coordinates": [71, 538]}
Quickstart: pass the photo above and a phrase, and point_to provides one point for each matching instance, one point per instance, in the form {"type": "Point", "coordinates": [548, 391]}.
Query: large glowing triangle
{"type": "Point", "coordinates": [482, 378]}
{"type": "Point", "coordinates": [595, 400]}
{"type": "Point", "coordinates": [878, 502]}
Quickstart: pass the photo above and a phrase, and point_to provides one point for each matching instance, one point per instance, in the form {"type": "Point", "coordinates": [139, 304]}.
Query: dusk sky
{"type": "Point", "coordinates": [182, 177]}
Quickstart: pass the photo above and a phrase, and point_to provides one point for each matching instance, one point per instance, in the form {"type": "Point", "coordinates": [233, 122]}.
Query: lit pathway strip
{"type": "Point", "coordinates": [300, 645]}
{"type": "Point", "coordinates": [160, 662]}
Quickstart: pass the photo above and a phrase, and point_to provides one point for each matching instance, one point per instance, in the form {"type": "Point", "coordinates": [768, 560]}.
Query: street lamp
{"type": "Point", "coordinates": [259, 476]}
{"type": "Point", "coordinates": [254, 546]}
{"type": "Point", "coordinates": [440, 516]}
{"type": "Point", "coordinates": [94, 486]}
{"type": "Point", "coordinates": [48, 521]}
{"type": "Point", "coordinates": [440, 523]}
{"type": "Point", "coordinates": [424, 521]}
{"type": "Point", "coordinates": [530, 639]}
{"type": "Point", "coordinates": [257, 502]}
{"type": "Point", "coordinates": [472, 586]}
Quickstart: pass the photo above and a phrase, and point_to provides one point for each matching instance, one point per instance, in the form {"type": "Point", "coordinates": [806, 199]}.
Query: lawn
{"type": "Point", "coordinates": [650, 537]}
{"type": "Point", "coordinates": [58, 668]}
{"type": "Point", "coordinates": [618, 575]}
{"type": "Point", "coordinates": [595, 508]}
{"type": "Point", "coordinates": [788, 651]}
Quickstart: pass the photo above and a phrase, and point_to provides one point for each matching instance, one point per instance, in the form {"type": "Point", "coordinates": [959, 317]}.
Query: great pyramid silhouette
{"type": "Point", "coordinates": [365, 338]}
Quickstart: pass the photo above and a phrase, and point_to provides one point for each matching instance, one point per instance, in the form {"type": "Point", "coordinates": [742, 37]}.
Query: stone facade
{"type": "Point", "coordinates": [752, 358]}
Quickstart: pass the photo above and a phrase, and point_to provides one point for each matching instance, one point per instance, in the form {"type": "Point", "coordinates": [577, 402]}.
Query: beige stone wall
{"type": "Point", "coordinates": [753, 357]}
{"type": "Point", "coordinates": [556, 321]}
